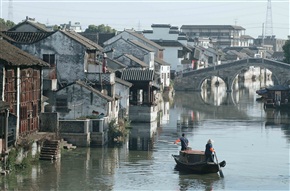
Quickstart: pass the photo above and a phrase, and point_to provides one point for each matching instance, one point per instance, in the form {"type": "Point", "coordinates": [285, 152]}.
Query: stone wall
{"type": "Point", "coordinates": [48, 122]}
{"type": "Point", "coordinates": [144, 114]}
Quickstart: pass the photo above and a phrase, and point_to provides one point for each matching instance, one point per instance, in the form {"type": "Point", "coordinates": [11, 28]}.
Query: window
{"type": "Point", "coordinates": [180, 54]}
{"type": "Point", "coordinates": [49, 58]}
{"type": "Point", "coordinates": [61, 105]}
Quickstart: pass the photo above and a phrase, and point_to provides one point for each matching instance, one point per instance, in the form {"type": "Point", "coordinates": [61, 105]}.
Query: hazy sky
{"type": "Point", "coordinates": [140, 15]}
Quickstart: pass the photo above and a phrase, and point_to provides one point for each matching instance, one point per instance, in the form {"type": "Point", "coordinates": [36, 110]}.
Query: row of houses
{"type": "Point", "coordinates": [63, 72]}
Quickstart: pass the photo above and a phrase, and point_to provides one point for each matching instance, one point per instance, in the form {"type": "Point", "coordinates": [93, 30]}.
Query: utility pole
{"type": "Point", "coordinates": [263, 27]}
{"type": "Point", "coordinates": [10, 11]}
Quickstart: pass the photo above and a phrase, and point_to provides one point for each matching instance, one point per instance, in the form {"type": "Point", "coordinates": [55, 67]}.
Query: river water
{"type": "Point", "coordinates": [254, 142]}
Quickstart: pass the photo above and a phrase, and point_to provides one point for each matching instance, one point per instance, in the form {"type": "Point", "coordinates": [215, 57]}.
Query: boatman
{"type": "Point", "coordinates": [184, 142]}
{"type": "Point", "coordinates": [209, 151]}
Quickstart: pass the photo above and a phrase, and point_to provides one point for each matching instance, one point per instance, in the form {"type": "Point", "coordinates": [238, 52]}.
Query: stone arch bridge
{"type": "Point", "coordinates": [193, 80]}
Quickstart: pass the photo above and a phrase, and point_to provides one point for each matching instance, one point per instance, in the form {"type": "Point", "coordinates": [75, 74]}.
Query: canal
{"type": "Point", "coordinates": [253, 142]}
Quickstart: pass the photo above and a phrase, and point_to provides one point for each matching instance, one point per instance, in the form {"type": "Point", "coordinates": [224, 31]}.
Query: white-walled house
{"type": "Point", "coordinates": [78, 99]}
{"type": "Point", "coordinates": [123, 91]}
{"type": "Point", "coordinates": [176, 52]}
{"type": "Point", "coordinates": [71, 56]}
{"type": "Point", "coordinates": [162, 68]}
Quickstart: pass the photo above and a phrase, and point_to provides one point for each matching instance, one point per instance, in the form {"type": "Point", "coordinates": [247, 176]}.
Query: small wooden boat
{"type": "Point", "coordinates": [194, 161]}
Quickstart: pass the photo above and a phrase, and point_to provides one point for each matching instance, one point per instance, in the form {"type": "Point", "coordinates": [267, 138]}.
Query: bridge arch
{"type": "Point", "coordinates": [193, 80]}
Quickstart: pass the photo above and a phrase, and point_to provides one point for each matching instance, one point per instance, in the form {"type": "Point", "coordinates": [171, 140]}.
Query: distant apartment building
{"type": "Point", "coordinates": [223, 35]}
{"type": "Point", "coordinates": [276, 44]}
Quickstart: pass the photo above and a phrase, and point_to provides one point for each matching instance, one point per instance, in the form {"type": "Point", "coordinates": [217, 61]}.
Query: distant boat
{"type": "Point", "coordinates": [275, 96]}
{"type": "Point", "coordinates": [193, 161]}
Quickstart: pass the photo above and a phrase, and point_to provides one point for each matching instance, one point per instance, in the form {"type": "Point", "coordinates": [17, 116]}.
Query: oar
{"type": "Point", "coordinates": [220, 170]}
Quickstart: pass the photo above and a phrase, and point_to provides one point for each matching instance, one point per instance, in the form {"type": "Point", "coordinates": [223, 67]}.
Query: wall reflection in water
{"type": "Point", "coordinates": [142, 136]}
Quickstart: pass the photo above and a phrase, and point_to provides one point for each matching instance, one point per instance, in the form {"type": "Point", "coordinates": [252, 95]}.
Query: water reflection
{"type": "Point", "coordinates": [207, 182]}
{"type": "Point", "coordinates": [142, 136]}
{"type": "Point", "coordinates": [142, 163]}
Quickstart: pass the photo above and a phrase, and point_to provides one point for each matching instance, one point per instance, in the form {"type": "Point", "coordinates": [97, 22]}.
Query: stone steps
{"type": "Point", "coordinates": [50, 150]}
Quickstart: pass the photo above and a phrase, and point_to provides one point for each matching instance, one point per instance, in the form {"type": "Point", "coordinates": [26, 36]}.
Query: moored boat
{"type": "Point", "coordinates": [194, 161]}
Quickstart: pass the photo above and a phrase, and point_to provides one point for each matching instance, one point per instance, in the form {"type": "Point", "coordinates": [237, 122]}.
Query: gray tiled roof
{"type": "Point", "coordinates": [5, 37]}
{"type": "Point", "coordinates": [11, 55]}
{"type": "Point", "coordinates": [37, 25]}
{"type": "Point", "coordinates": [211, 27]}
{"type": "Point", "coordinates": [141, 45]}
{"type": "Point", "coordinates": [133, 58]}
{"type": "Point", "coordinates": [141, 37]}
{"type": "Point", "coordinates": [27, 37]}
{"type": "Point", "coordinates": [81, 83]}
{"type": "Point", "coordinates": [135, 74]}
{"type": "Point", "coordinates": [246, 37]}
{"type": "Point", "coordinates": [83, 40]}
{"type": "Point", "coordinates": [161, 62]}
{"type": "Point", "coordinates": [124, 82]}
{"type": "Point", "coordinates": [171, 43]}
{"type": "Point", "coordinates": [114, 64]}
{"type": "Point", "coordinates": [161, 25]}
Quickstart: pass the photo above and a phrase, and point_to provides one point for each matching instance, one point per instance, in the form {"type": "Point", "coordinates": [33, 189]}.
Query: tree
{"type": "Point", "coordinates": [286, 49]}
{"type": "Point", "coordinates": [100, 29]}
{"type": "Point", "coordinates": [8, 24]}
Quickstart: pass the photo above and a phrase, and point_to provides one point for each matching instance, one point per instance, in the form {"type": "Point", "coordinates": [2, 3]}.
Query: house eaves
{"type": "Point", "coordinates": [37, 25]}
{"type": "Point", "coordinates": [12, 56]}
{"type": "Point", "coordinates": [246, 37]}
{"type": "Point", "coordinates": [142, 38]}
{"type": "Point", "coordinates": [90, 45]}
{"type": "Point", "coordinates": [134, 74]}
{"type": "Point", "coordinates": [113, 61]}
{"type": "Point", "coordinates": [27, 37]}
{"type": "Point", "coordinates": [141, 45]}
{"type": "Point", "coordinates": [229, 27]}
{"type": "Point", "coordinates": [81, 83]}
{"type": "Point", "coordinates": [168, 43]}
{"type": "Point", "coordinates": [133, 58]}
{"type": "Point", "coordinates": [5, 37]}
{"type": "Point", "coordinates": [161, 62]}
{"type": "Point", "coordinates": [123, 82]}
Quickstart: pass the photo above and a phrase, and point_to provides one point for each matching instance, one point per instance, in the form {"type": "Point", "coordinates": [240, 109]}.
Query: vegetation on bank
{"type": "Point", "coordinates": [118, 131]}
{"type": "Point", "coordinates": [20, 157]}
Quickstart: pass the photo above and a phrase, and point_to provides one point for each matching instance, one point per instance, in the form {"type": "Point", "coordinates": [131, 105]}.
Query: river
{"type": "Point", "coordinates": [254, 142]}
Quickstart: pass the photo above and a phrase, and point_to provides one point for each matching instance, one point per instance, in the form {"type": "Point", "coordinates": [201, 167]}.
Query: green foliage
{"type": "Point", "coordinates": [118, 131]}
{"type": "Point", "coordinates": [8, 24]}
{"type": "Point", "coordinates": [286, 49]}
{"type": "Point", "coordinates": [11, 160]}
{"type": "Point", "coordinates": [100, 29]}
{"type": "Point", "coordinates": [27, 161]}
